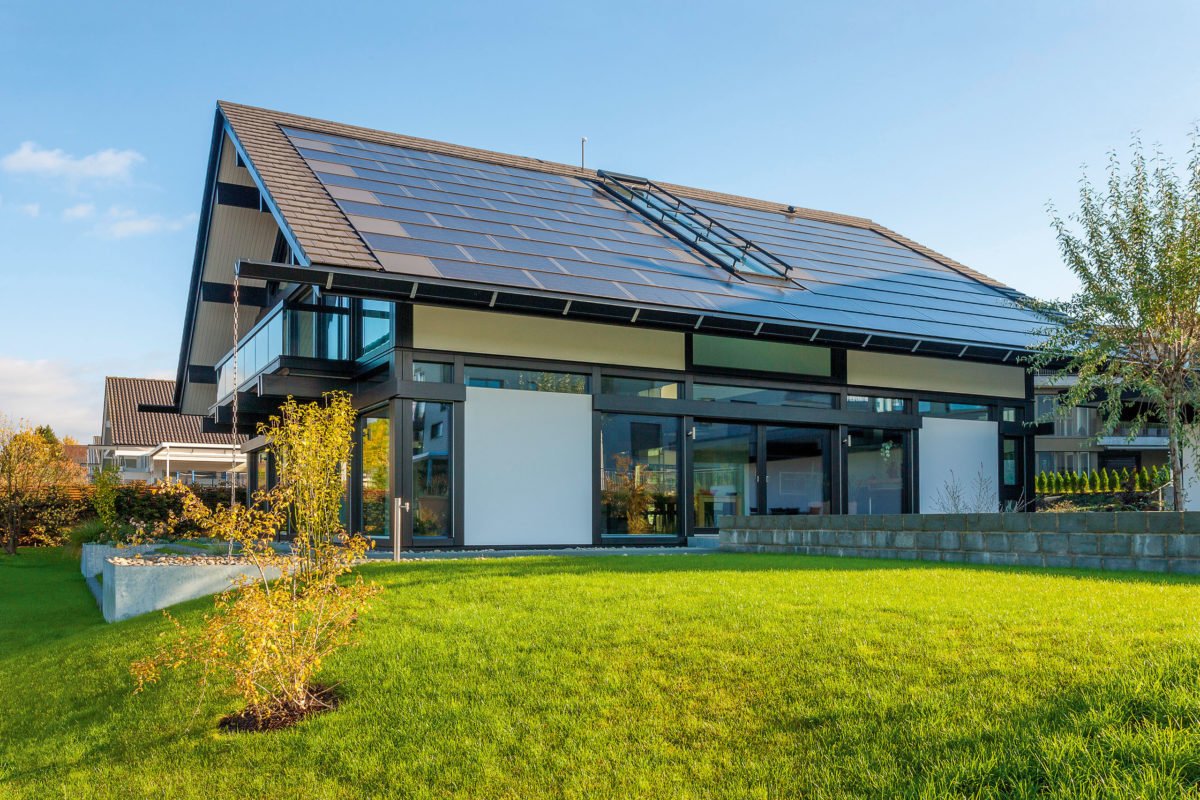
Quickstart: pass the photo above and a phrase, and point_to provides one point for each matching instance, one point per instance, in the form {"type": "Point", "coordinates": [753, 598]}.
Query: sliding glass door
{"type": "Point", "coordinates": [877, 471]}
{"type": "Point", "coordinates": [741, 468]}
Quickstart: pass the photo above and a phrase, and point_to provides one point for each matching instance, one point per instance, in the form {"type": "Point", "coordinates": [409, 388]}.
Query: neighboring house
{"type": "Point", "coordinates": [1073, 443]}
{"type": "Point", "coordinates": [548, 355]}
{"type": "Point", "coordinates": [76, 454]}
{"type": "Point", "coordinates": [148, 441]}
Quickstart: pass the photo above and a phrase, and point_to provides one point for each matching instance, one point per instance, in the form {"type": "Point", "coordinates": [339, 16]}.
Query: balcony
{"type": "Point", "coordinates": [1148, 437]}
{"type": "Point", "coordinates": [299, 332]}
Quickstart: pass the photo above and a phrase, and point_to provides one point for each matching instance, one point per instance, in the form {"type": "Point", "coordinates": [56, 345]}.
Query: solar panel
{"type": "Point", "coordinates": [503, 226]}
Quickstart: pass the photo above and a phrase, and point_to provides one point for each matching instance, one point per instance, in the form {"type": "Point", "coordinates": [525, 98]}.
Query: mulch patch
{"type": "Point", "coordinates": [255, 720]}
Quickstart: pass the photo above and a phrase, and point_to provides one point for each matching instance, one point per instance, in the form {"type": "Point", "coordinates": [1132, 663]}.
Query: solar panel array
{"type": "Point", "coordinates": [505, 227]}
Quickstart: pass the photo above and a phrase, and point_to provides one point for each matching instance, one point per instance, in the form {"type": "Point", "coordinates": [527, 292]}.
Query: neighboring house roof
{"type": "Point", "coordinates": [76, 453]}
{"type": "Point", "coordinates": [359, 198]}
{"type": "Point", "coordinates": [123, 398]}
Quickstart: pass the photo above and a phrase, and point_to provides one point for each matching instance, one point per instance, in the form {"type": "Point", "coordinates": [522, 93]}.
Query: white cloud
{"type": "Point", "coordinates": [81, 211]}
{"type": "Point", "coordinates": [51, 393]}
{"type": "Point", "coordinates": [31, 209]}
{"type": "Point", "coordinates": [122, 223]}
{"type": "Point", "coordinates": [108, 164]}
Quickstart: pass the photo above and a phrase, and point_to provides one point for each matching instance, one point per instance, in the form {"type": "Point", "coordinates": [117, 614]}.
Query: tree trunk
{"type": "Point", "coordinates": [1175, 457]}
{"type": "Point", "coordinates": [10, 544]}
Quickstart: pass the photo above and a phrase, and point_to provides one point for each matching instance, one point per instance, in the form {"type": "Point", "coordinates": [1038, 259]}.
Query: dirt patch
{"type": "Point", "coordinates": [255, 720]}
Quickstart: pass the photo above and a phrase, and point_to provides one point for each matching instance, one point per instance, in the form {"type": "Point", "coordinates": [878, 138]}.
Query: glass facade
{"type": "Point", "coordinates": [876, 405]}
{"type": "Point", "coordinates": [798, 470]}
{"type": "Point", "coordinates": [374, 447]}
{"type": "Point", "coordinates": [639, 475]}
{"type": "Point", "coordinates": [641, 387]}
{"type": "Point", "coordinates": [724, 471]}
{"type": "Point", "coordinates": [432, 371]}
{"type": "Point", "coordinates": [935, 408]}
{"type": "Point", "coordinates": [374, 326]}
{"type": "Point", "coordinates": [875, 472]}
{"type": "Point", "coordinates": [754, 354]}
{"type": "Point", "coordinates": [431, 507]}
{"type": "Point", "coordinates": [755, 395]}
{"type": "Point", "coordinates": [528, 380]}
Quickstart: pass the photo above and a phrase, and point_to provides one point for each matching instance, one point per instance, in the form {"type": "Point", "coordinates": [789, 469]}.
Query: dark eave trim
{"type": "Point", "coordinates": [211, 292]}
{"type": "Point", "coordinates": [404, 288]}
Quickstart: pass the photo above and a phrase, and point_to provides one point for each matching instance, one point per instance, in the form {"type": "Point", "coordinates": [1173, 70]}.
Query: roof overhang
{"type": "Point", "coordinates": [355, 282]}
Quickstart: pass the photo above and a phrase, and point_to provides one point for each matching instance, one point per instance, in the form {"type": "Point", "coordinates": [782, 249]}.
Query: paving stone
{"type": "Point", "coordinates": [1118, 563]}
{"type": "Point", "coordinates": [1115, 544]}
{"type": "Point", "coordinates": [949, 540]}
{"type": "Point", "coordinates": [1164, 522]}
{"type": "Point", "coordinates": [1053, 543]}
{"type": "Point", "coordinates": [1101, 522]}
{"type": "Point", "coordinates": [1151, 564]}
{"type": "Point", "coordinates": [1023, 542]}
{"type": "Point", "coordinates": [1083, 544]}
{"type": "Point", "coordinates": [1149, 545]}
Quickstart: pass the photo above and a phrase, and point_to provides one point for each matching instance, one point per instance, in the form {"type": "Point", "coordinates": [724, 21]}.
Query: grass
{"type": "Point", "coordinates": [655, 676]}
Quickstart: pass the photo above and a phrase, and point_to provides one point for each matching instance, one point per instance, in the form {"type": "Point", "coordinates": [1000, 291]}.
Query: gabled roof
{"type": "Point", "coordinates": [358, 198]}
{"type": "Point", "coordinates": [123, 398]}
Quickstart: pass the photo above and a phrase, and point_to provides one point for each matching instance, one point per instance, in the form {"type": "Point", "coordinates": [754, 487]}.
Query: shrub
{"type": "Point", "coordinates": [267, 638]}
{"type": "Point", "coordinates": [87, 532]}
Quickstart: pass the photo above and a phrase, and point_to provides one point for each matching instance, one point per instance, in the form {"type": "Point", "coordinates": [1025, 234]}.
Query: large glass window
{"type": "Point", "coordinates": [375, 325]}
{"type": "Point", "coordinates": [798, 470]}
{"type": "Point", "coordinates": [639, 475]}
{"type": "Point", "coordinates": [374, 435]}
{"type": "Point", "coordinates": [527, 379]}
{"type": "Point", "coordinates": [724, 471]}
{"type": "Point", "coordinates": [875, 470]}
{"type": "Point", "coordinates": [640, 387]}
{"type": "Point", "coordinates": [431, 506]}
{"type": "Point", "coordinates": [755, 395]}
{"type": "Point", "coordinates": [755, 354]}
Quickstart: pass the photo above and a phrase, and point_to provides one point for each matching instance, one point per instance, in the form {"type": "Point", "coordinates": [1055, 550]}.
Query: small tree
{"type": "Point", "coordinates": [105, 486]}
{"type": "Point", "coordinates": [1133, 328]}
{"type": "Point", "coordinates": [32, 469]}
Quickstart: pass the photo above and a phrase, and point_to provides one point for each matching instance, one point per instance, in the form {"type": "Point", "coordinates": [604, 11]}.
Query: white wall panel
{"type": "Point", "coordinates": [527, 466]}
{"type": "Point", "coordinates": [957, 449]}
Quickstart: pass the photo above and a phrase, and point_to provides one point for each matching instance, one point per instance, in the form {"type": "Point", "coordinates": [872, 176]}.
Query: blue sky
{"type": "Point", "coordinates": [953, 123]}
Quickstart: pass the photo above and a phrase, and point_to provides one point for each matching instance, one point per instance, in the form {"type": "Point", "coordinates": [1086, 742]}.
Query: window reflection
{"type": "Point", "coordinates": [431, 506]}
{"type": "Point", "coordinates": [375, 435]}
{"type": "Point", "coordinates": [639, 461]}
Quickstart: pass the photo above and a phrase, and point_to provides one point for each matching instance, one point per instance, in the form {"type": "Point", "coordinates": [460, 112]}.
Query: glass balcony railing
{"type": "Point", "coordinates": [287, 331]}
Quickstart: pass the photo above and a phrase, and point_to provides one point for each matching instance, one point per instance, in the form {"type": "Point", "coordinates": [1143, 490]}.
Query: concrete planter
{"type": "Point", "coordinates": [91, 563]}
{"type": "Point", "coordinates": [131, 590]}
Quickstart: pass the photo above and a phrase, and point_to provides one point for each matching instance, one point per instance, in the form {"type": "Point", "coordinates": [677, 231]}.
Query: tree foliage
{"type": "Point", "coordinates": [32, 470]}
{"type": "Point", "coordinates": [1133, 328]}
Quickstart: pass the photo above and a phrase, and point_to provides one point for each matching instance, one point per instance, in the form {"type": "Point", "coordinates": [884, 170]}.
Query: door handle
{"type": "Point", "coordinates": [401, 506]}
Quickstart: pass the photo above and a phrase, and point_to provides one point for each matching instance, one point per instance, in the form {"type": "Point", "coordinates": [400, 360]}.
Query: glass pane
{"type": "Point", "coordinates": [798, 470]}
{"type": "Point", "coordinates": [1013, 414]}
{"type": "Point", "coordinates": [376, 510]}
{"type": "Point", "coordinates": [876, 405]}
{"type": "Point", "coordinates": [639, 470]}
{"type": "Point", "coordinates": [431, 507]}
{"type": "Point", "coordinates": [260, 471]}
{"type": "Point", "coordinates": [762, 397]}
{"type": "Point", "coordinates": [1011, 460]}
{"type": "Point", "coordinates": [953, 410]}
{"type": "Point", "coordinates": [875, 471]}
{"type": "Point", "coordinates": [640, 387]}
{"type": "Point", "coordinates": [724, 471]}
{"type": "Point", "coordinates": [432, 371]}
{"type": "Point", "coordinates": [375, 325]}
{"type": "Point", "coordinates": [530, 380]}
{"type": "Point", "coordinates": [793, 359]}
{"type": "Point", "coordinates": [304, 334]}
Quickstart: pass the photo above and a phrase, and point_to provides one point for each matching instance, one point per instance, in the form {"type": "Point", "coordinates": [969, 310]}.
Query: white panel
{"type": "Point", "coordinates": [865, 368]}
{"type": "Point", "coordinates": [527, 465]}
{"type": "Point", "coordinates": [958, 450]}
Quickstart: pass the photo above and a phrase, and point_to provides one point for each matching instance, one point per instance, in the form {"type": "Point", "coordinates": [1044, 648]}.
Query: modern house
{"type": "Point", "coordinates": [149, 441]}
{"type": "Point", "coordinates": [548, 355]}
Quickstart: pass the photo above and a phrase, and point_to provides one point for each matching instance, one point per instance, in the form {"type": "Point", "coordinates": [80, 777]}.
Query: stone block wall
{"type": "Point", "coordinates": [1135, 540]}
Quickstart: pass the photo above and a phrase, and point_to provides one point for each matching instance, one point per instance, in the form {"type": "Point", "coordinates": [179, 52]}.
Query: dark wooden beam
{"type": "Point", "coordinates": [238, 196]}
{"type": "Point", "coordinates": [199, 373]}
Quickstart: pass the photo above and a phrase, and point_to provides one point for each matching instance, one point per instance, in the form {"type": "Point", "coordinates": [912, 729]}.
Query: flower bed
{"type": "Point", "coordinates": [135, 586]}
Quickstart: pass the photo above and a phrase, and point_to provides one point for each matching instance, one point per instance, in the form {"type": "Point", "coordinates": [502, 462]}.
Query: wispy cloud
{"type": "Point", "coordinates": [30, 209]}
{"type": "Point", "coordinates": [122, 223]}
{"type": "Point", "coordinates": [81, 211]}
{"type": "Point", "coordinates": [110, 164]}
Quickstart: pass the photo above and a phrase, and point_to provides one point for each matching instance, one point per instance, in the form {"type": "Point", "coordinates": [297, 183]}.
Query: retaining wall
{"type": "Point", "coordinates": [131, 590]}
{"type": "Point", "coordinates": [1135, 540]}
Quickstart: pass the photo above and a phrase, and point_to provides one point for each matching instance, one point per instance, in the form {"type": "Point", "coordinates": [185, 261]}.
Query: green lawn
{"type": "Point", "coordinates": [655, 676]}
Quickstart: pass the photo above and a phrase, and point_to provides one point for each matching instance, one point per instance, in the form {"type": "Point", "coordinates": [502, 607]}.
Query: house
{"type": "Point", "coordinates": [1073, 443]}
{"type": "Point", "coordinates": [149, 441]}
{"type": "Point", "coordinates": [546, 355]}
